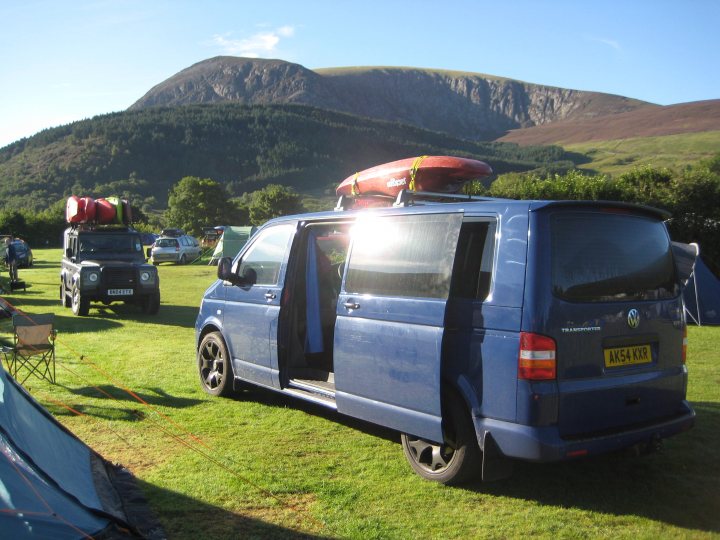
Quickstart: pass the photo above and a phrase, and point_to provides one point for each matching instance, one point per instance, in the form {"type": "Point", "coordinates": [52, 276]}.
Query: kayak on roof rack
{"type": "Point", "coordinates": [445, 174]}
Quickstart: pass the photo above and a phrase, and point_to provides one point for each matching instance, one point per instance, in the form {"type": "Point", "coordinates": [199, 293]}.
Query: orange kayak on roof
{"type": "Point", "coordinates": [443, 174]}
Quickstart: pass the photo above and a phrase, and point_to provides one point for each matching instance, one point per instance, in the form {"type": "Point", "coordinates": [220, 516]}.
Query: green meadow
{"type": "Point", "coordinates": [260, 465]}
{"type": "Point", "coordinates": [615, 157]}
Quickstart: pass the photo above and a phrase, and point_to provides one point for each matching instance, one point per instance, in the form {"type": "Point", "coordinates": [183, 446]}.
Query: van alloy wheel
{"type": "Point", "coordinates": [432, 457]}
{"type": "Point", "coordinates": [457, 459]}
{"type": "Point", "coordinates": [216, 376]}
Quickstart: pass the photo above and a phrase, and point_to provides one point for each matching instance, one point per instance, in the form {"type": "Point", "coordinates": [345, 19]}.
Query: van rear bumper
{"type": "Point", "coordinates": [544, 444]}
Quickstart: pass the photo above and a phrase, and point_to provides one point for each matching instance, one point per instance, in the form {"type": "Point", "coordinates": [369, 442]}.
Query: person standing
{"type": "Point", "coordinates": [11, 259]}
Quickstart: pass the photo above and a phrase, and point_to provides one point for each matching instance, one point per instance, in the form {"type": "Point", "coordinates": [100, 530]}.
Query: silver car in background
{"type": "Point", "coordinates": [176, 249]}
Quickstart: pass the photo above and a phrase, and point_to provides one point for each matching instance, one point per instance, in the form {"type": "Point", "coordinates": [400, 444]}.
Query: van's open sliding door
{"type": "Point", "coordinates": [390, 323]}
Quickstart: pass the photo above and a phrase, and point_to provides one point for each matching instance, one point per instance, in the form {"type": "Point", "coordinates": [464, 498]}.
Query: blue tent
{"type": "Point", "coordinates": [51, 484]}
{"type": "Point", "coordinates": [702, 288]}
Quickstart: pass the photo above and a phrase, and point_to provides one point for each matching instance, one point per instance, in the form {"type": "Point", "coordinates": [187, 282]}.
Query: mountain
{"type": "Point", "coordinates": [141, 154]}
{"type": "Point", "coordinates": [466, 105]}
{"type": "Point", "coordinates": [694, 117]}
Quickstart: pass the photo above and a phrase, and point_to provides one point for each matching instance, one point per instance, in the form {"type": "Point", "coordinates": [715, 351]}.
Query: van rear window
{"type": "Point", "coordinates": [605, 257]}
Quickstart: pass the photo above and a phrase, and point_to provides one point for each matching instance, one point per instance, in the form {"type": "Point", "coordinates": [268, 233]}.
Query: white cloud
{"type": "Point", "coordinates": [258, 45]}
{"type": "Point", "coordinates": [609, 42]}
{"type": "Point", "coordinates": [286, 31]}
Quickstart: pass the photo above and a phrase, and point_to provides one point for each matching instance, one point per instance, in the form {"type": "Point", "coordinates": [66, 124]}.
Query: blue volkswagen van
{"type": "Point", "coordinates": [482, 330]}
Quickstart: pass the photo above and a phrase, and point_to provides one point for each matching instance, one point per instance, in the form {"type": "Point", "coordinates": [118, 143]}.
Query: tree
{"type": "Point", "coordinates": [13, 222]}
{"type": "Point", "coordinates": [194, 203]}
{"type": "Point", "coordinates": [696, 210]}
{"type": "Point", "coordinates": [273, 201]}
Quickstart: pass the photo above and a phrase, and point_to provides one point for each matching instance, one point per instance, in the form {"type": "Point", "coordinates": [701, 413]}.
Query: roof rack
{"type": "Point", "coordinates": [407, 197]}
{"type": "Point", "coordinates": [110, 227]}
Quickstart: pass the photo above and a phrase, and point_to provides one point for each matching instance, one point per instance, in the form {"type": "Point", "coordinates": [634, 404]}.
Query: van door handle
{"type": "Point", "coordinates": [351, 305]}
{"type": "Point", "coordinates": [270, 295]}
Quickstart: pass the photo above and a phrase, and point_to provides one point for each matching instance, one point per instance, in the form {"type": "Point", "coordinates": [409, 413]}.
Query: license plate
{"type": "Point", "coordinates": [626, 356]}
{"type": "Point", "coordinates": [120, 292]}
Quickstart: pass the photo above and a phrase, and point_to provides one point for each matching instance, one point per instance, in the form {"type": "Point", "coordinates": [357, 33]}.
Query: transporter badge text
{"type": "Point", "coordinates": [576, 329]}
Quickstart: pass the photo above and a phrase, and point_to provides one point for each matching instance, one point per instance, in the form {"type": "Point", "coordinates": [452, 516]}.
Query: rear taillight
{"type": "Point", "coordinates": [685, 342]}
{"type": "Point", "coordinates": [536, 360]}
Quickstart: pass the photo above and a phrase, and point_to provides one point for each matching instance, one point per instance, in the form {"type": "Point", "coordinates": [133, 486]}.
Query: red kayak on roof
{"type": "Point", "coordinates": [111, 210]}
{"type": "Point", "coordinates": [80, 209]}
{"type": "Point", "coordinates": [443, 174]}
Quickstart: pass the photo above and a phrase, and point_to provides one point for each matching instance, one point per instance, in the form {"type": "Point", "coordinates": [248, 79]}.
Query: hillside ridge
{"type": "Point", "coordinates": [467, 105]}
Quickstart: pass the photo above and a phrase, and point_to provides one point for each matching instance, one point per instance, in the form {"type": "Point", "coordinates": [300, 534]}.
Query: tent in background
{"type": "Point", "coordinates": [51, 484]}
{"type": "Point", "coordinates": [701, 291]}
{"type": "Point", "coordinates": [231, 242]}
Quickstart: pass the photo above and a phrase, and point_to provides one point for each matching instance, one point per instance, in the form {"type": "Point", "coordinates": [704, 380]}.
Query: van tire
{"type": "Point", "coordinates": [214, 370]}
{"type": "Point", "coordinates": [455, 462]}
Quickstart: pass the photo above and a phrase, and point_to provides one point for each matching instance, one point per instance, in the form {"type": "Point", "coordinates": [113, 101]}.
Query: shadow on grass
{"type": "Point", "coordinates": [152, 396]}
{"type": "Point", "coordinates": [30, 297]}
{"type": "Point", "coordinates": [182, 316]}
{"type": "Point", "coordinates": [37, 265]}
{"type": "Point", "coordinates": [678, 485]}
{"type": "Point", "coordinates": [275, 399]}
{"type": "Point", "coordinates": [187, 518]}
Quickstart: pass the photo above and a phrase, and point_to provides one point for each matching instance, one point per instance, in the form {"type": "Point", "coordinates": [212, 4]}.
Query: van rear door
{"type": "Point", "coordinates": [390, 320]}
{"type": "Point", "coordinates": [605, 289]}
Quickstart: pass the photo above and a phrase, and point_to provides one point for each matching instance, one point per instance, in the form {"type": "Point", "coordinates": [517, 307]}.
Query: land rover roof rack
{"type": "Point", "coordinates": [107, 227]}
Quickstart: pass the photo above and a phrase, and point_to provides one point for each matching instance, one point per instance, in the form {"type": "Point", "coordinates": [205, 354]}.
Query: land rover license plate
{"type": "Point", "coordinates": [120, 292]}
{"type": "Point", "coordinates": [625, 356]}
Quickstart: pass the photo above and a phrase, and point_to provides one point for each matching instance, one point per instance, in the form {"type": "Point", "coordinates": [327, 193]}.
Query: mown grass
{"type": "Point", "coordinates": [266, 466]}
{"type": "Point", "coordinates": [673, 151]}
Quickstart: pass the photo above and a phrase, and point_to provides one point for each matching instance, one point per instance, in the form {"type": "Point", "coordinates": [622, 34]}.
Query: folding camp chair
{"type": "Point", "coordinates": [33, 347]}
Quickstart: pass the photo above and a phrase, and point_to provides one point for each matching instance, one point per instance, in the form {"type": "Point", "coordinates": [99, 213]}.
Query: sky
{"type": "Point", "coordinates": [67, 60]}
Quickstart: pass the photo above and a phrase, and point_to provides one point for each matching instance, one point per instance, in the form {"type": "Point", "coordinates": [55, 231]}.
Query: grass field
{"type": "Point", "coordinates": [672, 151]}
{"type": "Point", "coordinates": [264, 466]}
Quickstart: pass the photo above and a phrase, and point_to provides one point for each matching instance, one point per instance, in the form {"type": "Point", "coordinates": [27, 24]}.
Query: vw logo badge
{"type": "Point", "coordinates": [633, 318]}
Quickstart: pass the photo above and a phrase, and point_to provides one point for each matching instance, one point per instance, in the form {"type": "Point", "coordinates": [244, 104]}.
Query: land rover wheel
{"type": "Point", "coordinates": [80, 304]}
{"type": "Point", "coordinates": [216, 376]}
{"type": "Point", "coordinates": [457, 459]}
{"type": "Point", "coordinates": [64, 298]}
{"type": "Point", "coordinates": [151, 304]}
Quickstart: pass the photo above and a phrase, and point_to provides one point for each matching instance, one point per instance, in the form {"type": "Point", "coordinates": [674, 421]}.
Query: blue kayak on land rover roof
{"type": "Point", "coordinates": [482, 330]}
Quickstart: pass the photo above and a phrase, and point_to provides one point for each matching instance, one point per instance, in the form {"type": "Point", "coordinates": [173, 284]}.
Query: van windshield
{"type": "Point", "coordinates": [605, 257]}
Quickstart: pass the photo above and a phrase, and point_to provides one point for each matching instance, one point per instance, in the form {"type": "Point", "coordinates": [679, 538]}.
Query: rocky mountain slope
{"type": "Point", "coordinates": [467, 105]}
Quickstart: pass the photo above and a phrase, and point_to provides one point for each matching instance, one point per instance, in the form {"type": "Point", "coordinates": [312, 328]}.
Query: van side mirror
{"type": "Point", "coordinates": [224, 270]}
{"type": "Point", "coordinates": [68, 253]}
